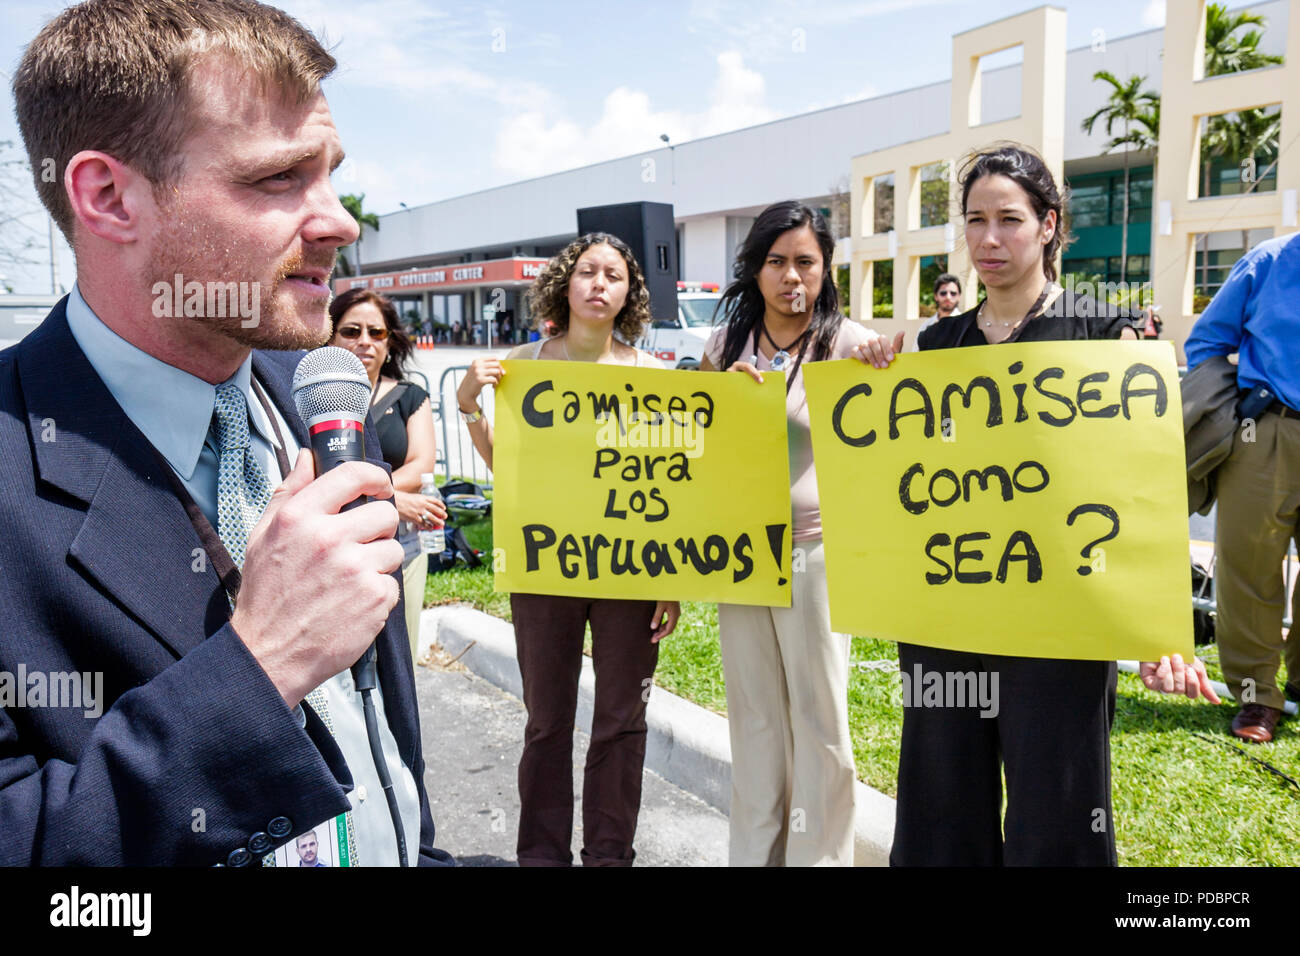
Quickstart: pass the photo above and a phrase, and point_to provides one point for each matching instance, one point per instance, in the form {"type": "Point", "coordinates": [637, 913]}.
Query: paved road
{"type": "Point", "coordinates": [473, 734]}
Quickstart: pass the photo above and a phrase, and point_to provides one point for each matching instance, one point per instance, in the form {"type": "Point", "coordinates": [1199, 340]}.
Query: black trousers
{"type": "Point", "coordinates": [1051, 732]}
{"type": "Point", "coordinates": [548, 636]}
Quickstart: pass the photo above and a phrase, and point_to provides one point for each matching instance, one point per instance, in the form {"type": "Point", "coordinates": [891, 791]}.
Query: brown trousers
{"type": "Point", "coordinates": [549, 632]}
{"type": "Point", "coordinates": [1258, 516]}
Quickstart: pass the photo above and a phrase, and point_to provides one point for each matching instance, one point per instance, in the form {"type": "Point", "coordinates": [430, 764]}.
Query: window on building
{"type": "Point", "coordinates": [1098, 199]}
{"type": "Point", "coordinates": [1089, 204]}
{"type": "Point", "coordinates": [1139, 200]}
{"type": "Point", "coordinates": [934, 194]}
{"type": "Point", "coordinates": [1239, 152]}
{"type": "Point", "coordinates": [882, 291]}
{"type": "Point", "coordinates": [1218, 252]}
{"type": "Point", "coordinates": [1105, 269]}
{"type": "Point", "coordinates": [883, 214]}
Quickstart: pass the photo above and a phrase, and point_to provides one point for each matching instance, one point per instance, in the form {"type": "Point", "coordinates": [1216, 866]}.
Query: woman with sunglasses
{"type": "Point", "coordinates": [1052, 731]}
{"type": "Point", "coordinates": [594, 297]}
{"type": "Point", "coordinates": [366, 324]}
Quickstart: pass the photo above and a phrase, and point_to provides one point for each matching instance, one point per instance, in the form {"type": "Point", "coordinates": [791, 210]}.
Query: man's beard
{"type": "Point", "coordinates": [188, 247]}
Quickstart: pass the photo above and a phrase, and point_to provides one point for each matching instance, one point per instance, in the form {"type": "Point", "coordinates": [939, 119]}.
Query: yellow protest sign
{"type": "Point", "coordinates": [1026, 499]}
{"type": "Point", "coordinates": [623, 482]}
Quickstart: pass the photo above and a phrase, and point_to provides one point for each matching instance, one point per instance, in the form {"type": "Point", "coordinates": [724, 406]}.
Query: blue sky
{"type": "Point", "coordinates": [440, 99]}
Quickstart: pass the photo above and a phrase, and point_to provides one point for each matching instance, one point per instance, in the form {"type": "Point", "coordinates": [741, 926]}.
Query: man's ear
{"type": "Point", "coordinates": [109, 199]}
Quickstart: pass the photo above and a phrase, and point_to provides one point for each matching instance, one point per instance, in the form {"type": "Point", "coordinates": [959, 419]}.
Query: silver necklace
{"type": "Point", "coordinates": [1012, 326]}
{"type": "Point", "coordinates": [781, 359]}
{"type": "Point", "coordinates": [989, 323]}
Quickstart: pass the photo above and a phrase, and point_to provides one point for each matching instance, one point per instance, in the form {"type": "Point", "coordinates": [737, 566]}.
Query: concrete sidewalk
{"type": "Point", "coordinates": [688, 747]}
{"type": "Point", "coordinates": [474, 734]}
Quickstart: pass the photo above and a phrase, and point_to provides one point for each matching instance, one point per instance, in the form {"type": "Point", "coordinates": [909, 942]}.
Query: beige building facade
{"type": "Point", "coordinates": [1180, 215]}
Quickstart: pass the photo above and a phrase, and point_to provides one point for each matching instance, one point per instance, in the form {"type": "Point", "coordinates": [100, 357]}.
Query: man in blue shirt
{"type": "Point", "coordinates": [1257, 315]}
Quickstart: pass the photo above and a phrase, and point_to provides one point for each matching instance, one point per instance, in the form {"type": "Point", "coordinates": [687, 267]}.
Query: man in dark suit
{"type": "Point", "coordinates": [191, 141]}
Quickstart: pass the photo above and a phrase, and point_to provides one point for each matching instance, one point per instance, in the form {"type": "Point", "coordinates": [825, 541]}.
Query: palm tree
{"type": "Point", "coordinates": [1214, 143]}
{"type": "Point", "coordinates": [1135, 108]}
{"type": "Point", "coordinates": [353, 205]}
{"type": "Point", "coordinates": [1253, 133]}
{"type": "Point", "coordinates": [1225, 52]}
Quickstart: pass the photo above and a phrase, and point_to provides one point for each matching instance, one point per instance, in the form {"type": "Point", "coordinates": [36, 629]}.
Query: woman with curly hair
{"type": "Point", "coordinates": [594, 295]}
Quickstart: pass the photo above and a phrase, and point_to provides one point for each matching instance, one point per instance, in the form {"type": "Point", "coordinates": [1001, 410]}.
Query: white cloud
{"type": "Point", "coordinates": [769, 30]}
{"type": "Point", "coordinates": [529, 143]}
{"type": "Point", "coordinates": [1153, 15]}
{"type": "Point", "coordinates": [411, 48]}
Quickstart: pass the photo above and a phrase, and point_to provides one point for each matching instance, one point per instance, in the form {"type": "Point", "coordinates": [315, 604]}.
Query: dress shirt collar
{"type": "Point", "coordinates": [172, 408]}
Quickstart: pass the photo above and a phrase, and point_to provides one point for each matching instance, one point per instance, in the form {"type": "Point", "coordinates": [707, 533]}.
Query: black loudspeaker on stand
{"type": "Point", "coordinates": [650, 232]}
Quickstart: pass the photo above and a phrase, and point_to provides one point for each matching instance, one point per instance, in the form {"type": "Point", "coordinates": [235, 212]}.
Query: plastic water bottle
{"type": "Point", "coordinates": [435, 541]}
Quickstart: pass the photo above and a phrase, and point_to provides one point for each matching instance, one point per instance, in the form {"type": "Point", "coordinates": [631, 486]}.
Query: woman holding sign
{"type": "Point", "coordinates": [792, 774]}
{"type": "Point", "coordinates": [593, 293]}
{"type": "Point", "coordinates": [1051, 729]}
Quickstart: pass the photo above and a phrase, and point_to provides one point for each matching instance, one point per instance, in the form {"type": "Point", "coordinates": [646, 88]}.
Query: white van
{"type": "Point", "coordinates": [680, 344]}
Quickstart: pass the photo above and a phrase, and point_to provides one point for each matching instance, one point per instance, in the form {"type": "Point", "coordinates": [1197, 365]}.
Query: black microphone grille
{"type": "Point", "coordinates": [331, 381]}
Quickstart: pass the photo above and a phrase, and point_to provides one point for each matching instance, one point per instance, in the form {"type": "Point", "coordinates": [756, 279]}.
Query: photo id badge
{"type": "Point", "coordinates": [327, 844]}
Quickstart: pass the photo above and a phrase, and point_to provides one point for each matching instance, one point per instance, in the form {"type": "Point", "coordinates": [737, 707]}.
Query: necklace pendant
{"type": "Point", "coordinates": [780, 360]}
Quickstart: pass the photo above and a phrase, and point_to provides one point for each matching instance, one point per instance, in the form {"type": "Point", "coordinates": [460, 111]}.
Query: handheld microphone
{"type": "Point", "coordinates": [332, 392]}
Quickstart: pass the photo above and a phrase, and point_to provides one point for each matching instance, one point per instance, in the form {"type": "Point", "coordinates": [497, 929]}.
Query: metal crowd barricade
{"type": "Point", "coordinates": [1203, 599]}
{"type": "Point", "coordinates": [456, 456]}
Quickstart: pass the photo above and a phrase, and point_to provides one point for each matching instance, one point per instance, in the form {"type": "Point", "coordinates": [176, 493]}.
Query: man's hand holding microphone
{"type": "Point", "coordinates": [317, 581]}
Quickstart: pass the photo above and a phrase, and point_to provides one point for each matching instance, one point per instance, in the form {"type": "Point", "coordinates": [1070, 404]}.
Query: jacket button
{"type": "Point", "coordinates": [279, 828]}
{"type": "Point", "coordinates": [239, 857]}
{"type": "Point", "coordinates": [259, 843]}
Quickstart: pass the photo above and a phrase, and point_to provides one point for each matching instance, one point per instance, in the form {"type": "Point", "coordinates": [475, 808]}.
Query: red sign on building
{"type": "Point", "coordinates": [462, 275]}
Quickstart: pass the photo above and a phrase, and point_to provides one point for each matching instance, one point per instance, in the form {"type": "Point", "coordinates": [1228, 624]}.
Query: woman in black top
{"type": "Point", "coordinates": [1052, 729]}
{"type": "Point", "coordinates": [366, 324]}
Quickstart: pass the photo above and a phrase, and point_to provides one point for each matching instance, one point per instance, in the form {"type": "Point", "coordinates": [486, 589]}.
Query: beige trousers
{"type": "Point", "coordinates": [792, 774]}
{"type": "Point", "coordinates": [413, 576]}
{"type": "Point", "coordinates": [1258, 516]}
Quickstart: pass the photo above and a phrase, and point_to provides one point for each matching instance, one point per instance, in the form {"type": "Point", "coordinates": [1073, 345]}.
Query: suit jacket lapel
{"type": "Point", "coordinates": [276, 375]}
{"type": "Point", "coordinates": [135, 540]}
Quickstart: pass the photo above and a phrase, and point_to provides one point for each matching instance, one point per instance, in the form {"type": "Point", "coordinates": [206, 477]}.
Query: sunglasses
{"type": "Point", "coordinates": [377, 333]}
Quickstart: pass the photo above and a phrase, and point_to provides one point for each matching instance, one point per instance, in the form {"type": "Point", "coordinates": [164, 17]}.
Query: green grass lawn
{"type": "Point", "coordinates": [1184, 792]}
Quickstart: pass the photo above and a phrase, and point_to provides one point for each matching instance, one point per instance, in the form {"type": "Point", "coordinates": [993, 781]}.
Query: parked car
{"type": "Point", "coordinates": [680, 343]}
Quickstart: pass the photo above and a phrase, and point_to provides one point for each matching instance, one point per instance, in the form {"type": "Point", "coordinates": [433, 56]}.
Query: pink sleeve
{"type": "Point", "coordinates": [851, 333]}
{"type": "Point", "coordinates": [713, 347]}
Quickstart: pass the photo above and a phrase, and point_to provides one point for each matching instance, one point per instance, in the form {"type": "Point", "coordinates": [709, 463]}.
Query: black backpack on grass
{"type": "Point", "coordinates": [455, 553]}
